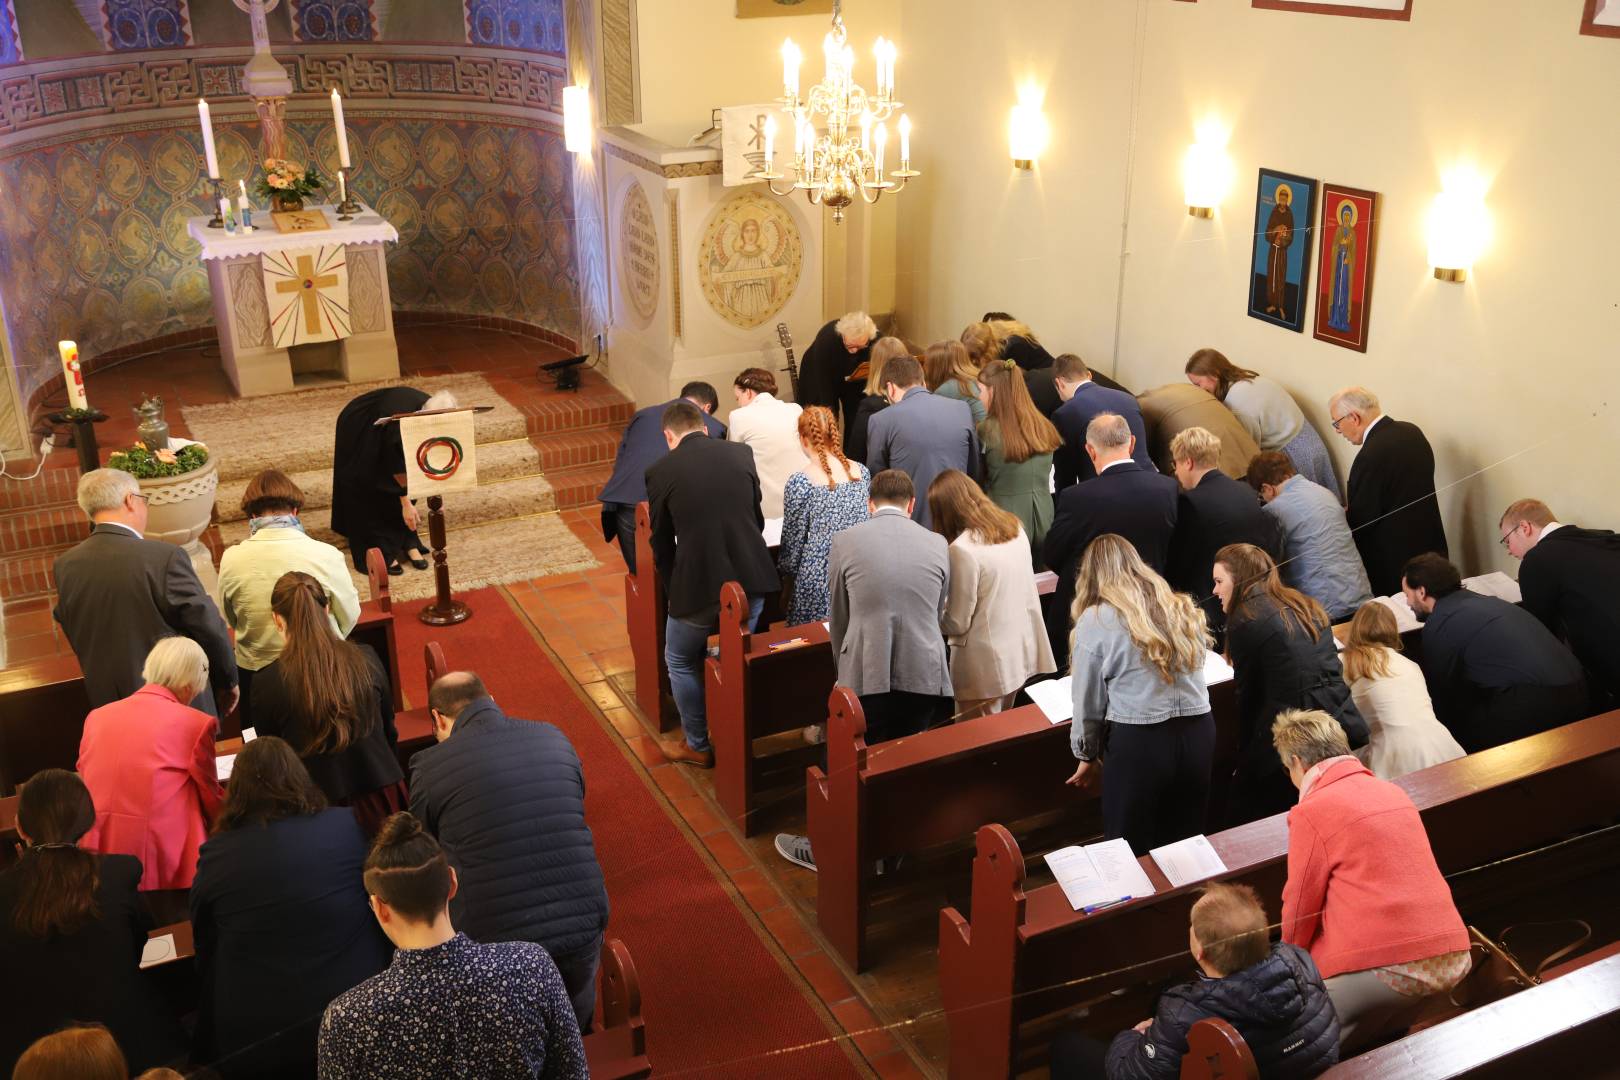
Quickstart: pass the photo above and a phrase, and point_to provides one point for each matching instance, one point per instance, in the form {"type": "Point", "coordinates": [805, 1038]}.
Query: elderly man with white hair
{"type": "Point", "coordinates": [830, 362]}
{"type": "Point", "coordinates": [118, 594]}
{"type": "Point", "coordinates": [1392, 510]}
{"type": "Point", "coordinates": [148, 761]}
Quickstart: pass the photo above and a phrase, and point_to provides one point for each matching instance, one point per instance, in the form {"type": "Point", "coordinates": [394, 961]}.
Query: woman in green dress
{"type": "Point", "coordinates": [949, 373]}
{"type": "Point", "coordinates": [1018, 444]}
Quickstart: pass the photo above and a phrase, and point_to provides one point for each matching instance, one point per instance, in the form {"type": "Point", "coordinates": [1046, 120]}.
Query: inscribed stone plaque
{"type": "Point", "coordinates": [638, 254]}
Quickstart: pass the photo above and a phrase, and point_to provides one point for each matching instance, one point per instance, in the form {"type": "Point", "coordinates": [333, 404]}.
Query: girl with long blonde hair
{"type": "Point", "coordinates": [1141, 708]}
{"type": "Point", "coordinates": [826, 496]}
{"type": "Point", "coordinates": [883, 350]}
{"type": "Point", "coordinates": [1018, 445]}
{"type": "Point", "coordinates": [992, 619]}
{"type": "Point", "coordinates": [1389, 691]}
{"type": "Point", "coordinates": [948, 372]}
{"type": "Point", "coordinates": [1282, 650]}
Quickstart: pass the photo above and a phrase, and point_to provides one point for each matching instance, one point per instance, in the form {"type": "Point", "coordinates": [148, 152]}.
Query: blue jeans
{"type": "Point", "coordinates": [686, 646]}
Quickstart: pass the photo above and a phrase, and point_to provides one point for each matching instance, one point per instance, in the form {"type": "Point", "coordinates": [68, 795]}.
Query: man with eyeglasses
{"type": "Point", "coordinates": [1570, 579]}
{"type": "Point", "coordinates": [119, 593]}
{"type": "Point", "coordinates": [1392, 508]}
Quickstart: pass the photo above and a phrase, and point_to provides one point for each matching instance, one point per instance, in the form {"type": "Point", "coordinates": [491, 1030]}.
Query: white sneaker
{"type": "Point", "coordinates": [795, 849]}
{"type": "Point", "coordinates": [815, 734]}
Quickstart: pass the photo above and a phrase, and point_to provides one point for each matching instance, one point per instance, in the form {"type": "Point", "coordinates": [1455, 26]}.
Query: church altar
{"type": "Point", "coordinates": [301, 308]}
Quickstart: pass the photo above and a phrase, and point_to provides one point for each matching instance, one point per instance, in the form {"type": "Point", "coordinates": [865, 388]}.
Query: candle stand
{"type": "Point", "coordinates": [84, 434]}
{"type": "Point", "coordinates": [348, 207]}
{"type": "Point", "coordinates": [216, 222]}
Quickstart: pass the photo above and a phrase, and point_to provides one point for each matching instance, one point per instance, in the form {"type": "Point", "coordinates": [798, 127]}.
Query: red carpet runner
{"type": "Point", "coordinates": [716, 1002]}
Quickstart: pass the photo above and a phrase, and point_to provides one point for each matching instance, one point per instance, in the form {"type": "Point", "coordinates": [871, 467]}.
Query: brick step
{"type": "Point", "coordinates": [577, 448]}
{"type": "Point", "coordinates": [44, 528]}
{"type": "Point", "coordinates": [27, 576]}
{"type": "Point", "coordinates": [56, 486]}
{"type": "Point", "coordinates": [596, 405]}
{"type": "Point", "coordinates": [579, 486]}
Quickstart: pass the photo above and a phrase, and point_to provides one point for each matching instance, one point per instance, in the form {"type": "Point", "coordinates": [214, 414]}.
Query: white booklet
{"type": "Point", "coordinates": [772, 532]}
{"type": "Point", "coordinates": [223, 765]}
{"type": "Point", "coordinates": [1404, 618]}
{"type": "Point", "coordinates": [1055, 697]}
{"type": "Point", "coordinates": [1495, 584]}
{"type": "Point", "coordinates": [1192, 859]}
{"type": "Point", "coordinates": [158, 950]}
{"type": "Point", "coordinates": [1216, 669]}
{"type": "Point", "coordinates": [1097, 876]}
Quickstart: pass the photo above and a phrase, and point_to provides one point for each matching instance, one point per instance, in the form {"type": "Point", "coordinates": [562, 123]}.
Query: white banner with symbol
{"type": "Point", "coordinates": [441, 453]}
{"type": "Point", "coordinates": [742, 130]}
{"type": "Point", "coordinates": [307, 290]}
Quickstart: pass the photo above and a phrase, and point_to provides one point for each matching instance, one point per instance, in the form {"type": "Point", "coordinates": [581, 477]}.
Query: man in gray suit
{"type": "Point", "coordinates": [889, 578]}
{"type": "Point", "coordinates": [118, 593]}
{"type": "Point", "coordinates": [921, 434]}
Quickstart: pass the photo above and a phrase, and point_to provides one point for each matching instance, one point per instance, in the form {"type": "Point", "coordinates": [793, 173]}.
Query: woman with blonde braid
{"type": "Point", "coordinates": [330, 700]}
{"type": "Point", "coordinates": [1141, 708]}
{"type": "Point", "coordinates": [1018, 444]}
{"type": "Point", "coordinates": [827, 495]}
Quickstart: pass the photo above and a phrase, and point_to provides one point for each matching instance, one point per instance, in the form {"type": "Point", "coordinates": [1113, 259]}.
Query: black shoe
{"type": "Point", "coordinates": [395, 570]}
{"type": "Point", "coordinates": [420, 564]}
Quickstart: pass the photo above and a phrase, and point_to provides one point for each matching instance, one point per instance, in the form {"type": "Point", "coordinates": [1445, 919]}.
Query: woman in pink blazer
{"type": "Point", "coordinates": [148, 761]}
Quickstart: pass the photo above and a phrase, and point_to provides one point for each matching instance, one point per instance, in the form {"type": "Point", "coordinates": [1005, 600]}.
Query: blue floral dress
{"type": "Point", "coordinates": [811, 514]}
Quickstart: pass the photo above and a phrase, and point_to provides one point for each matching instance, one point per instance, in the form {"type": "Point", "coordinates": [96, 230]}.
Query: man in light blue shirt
{"type": "Point", "coordinates": [1320, 558]}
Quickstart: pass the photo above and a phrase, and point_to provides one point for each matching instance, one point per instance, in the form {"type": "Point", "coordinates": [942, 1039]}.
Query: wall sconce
{"type": "Point", "coordinates": [1459, 225]}
{"type": "Point", "coordinates": [1206, 171]}
{"type": "Point", "coordinates": [1027, 131]}
{"type": "Point", "coordinates": [577, 119]}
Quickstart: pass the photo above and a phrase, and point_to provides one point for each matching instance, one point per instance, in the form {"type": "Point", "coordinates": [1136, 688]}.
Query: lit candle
{"type": "Point", "coordinates": [882, 143]}
{"type": "Point", "coordinates": [905, 142]}
{"type": "Point", "coordinates": [71, 375]}
{"type": "Point", "coordinates": [342, 132]}
{"type": "Point", "coordinates": [790, 69]}
{"type": "Point", "coordinates": [343, 189]}
{"type": "Point", "coordinates": [770, 143]}
{"type": "Point", "coordinates": [242, 184]}
{"type": "Point", "coordinates": [208, 139]}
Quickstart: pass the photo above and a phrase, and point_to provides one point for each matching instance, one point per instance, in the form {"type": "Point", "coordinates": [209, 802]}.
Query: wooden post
{"type": "Point", "coordinates": [445, 609]}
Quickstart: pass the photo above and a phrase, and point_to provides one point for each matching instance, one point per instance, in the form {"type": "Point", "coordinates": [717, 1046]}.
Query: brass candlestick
{"type": "Point", "coordinates": [348, 207]}
{"type": "Point", "coordinates": [216, 222]}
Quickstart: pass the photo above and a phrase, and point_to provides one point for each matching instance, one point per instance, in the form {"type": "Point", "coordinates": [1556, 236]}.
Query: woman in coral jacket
{"type": "Point", "coordinates": [148, 761]}
{"type": "Point", "coordinates": [1364, 894]}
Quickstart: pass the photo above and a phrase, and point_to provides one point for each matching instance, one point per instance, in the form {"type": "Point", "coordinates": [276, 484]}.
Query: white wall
{"type": "Point", "coordinates": [1507, 373]}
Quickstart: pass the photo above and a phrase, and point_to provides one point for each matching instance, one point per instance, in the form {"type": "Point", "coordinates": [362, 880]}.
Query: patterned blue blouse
{"type": "Point", "coordinates": [811, 514]}
{"type": "Point", "coordinates": [457, 1010]}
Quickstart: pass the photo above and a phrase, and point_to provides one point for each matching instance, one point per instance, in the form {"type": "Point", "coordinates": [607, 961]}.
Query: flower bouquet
{"type": "Point", "coordinates": [144, 464]}
{"type": "Point", "coordinates": [287, 185]}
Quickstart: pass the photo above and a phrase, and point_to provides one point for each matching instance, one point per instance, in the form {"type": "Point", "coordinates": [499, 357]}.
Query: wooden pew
{"type": "Point", "coordinates": [43, 704]}
{"type": "Point", "coordinates": [616, 1048]}
{"type": "Point", "coordinates": [936, 787]}
{"type": "Point", "coordinates": [756, 687]}
{"type": "Point", "coordinates": [1027, 954]}
{"type": "Point", "coordinates": [1215, 1051]}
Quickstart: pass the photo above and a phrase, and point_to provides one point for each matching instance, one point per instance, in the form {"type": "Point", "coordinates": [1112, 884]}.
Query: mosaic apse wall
{"type": "Point", "coordinates": [95, 228]}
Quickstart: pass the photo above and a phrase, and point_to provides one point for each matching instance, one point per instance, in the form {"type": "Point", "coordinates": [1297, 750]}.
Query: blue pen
{"type": "Point", "coordinates": [1092, 909]}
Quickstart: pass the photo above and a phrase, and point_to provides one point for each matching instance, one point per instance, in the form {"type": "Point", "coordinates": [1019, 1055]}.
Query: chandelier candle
{"type": "Point", "coordinates": [342, 130]}
{"type": "Point", "coordinates": [208, 139]}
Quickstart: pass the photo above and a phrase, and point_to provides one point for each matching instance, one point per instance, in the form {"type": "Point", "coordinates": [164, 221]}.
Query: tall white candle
{"type": "Point", "coordinates": [208, 139]}
{"type": "Point", "coordinates": [71, 375]}
{"type": "Point", "coordinates": [343, 190]}
{"type": "Point", "coordinates": [342, 131]}
{"type": "Point", "coordinates": [905, 141]}
{"type": "Point", "coordinates": [790, 68]}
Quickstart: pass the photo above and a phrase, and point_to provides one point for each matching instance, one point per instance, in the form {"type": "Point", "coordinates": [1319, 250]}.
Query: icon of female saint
{"type": "Point", "coordinates": [749, 294]}
{"type": "Point", "coordinates": [1342, 254]}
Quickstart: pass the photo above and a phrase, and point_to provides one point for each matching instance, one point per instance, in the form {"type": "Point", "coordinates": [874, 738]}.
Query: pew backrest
{"type": "Point", "coordinates": [616, 1049]}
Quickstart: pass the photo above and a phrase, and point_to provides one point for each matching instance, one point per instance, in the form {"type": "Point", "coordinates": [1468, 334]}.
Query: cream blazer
{"type": "Point", "coordinates": [1404, 734]}
{"type": "Point", "coordinates": [993, 620]}
{"type": "Point", "coordinates": [248, 573]}
{"type": "Point", "coordinates": [770, 428]}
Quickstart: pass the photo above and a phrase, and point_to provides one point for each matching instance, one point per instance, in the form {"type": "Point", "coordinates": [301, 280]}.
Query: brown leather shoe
{"type": "Point", "coordinates": [676, 750]}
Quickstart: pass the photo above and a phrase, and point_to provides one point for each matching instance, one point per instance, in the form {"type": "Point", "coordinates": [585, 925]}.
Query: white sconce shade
{"type": "Point", "coordinates": [577, 119]}
{"type": "Point", "coordinates": [1459, 225]}
{"type": "Point", "coordinates": [1206, 171]}
{"type": "Point", "coordinates": [1027, 130]}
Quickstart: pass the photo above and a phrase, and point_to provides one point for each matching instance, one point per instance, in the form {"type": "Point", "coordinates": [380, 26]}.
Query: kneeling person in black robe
{"type": "Point", "coordinates": [370, 508]}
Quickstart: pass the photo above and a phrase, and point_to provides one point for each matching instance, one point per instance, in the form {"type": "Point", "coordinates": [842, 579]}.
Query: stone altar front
{"type": "Point", "coordinates": [249, 353]}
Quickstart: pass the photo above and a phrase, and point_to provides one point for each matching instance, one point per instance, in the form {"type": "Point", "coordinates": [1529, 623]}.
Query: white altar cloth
{"type": "Point", "coordinates": [368, 227]}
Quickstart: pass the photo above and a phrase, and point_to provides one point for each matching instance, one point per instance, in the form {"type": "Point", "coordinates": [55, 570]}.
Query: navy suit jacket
{"type": "Point", "coordinates": [641, 445]}
{"type": "Point", "coordinates": [1072, 418]}
{"type": "Point", "coordinates": [923, 435]}
{"type": "Point", "coordinates": [1571, 582]}
{"type": "Point", "coordinates": [1135, 502]}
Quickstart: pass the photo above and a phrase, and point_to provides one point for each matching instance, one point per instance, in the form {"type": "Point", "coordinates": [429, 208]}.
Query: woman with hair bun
{"type": "Point", "coordinates": [330, 699]}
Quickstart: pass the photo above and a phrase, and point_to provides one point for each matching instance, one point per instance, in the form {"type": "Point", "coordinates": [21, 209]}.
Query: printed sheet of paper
{"type": "Point", "coordinates": [1192, 859]}
{"type": "Point", "coordinates": [1216, 669]}
{"type": "Point", "coordinates": [1404, 619]}
{"type": "Point", "coordinates": [1495, 584]}
{"type": "Point", "coordinates": [1098, 874]}
{"type": "Point", "coordinates": [248, 735]}
{"type": "Point", "coordinates": [158, 950]}
{"type": "Point", "coordinates": [223, 766]}
{"type": "Point", "coordinates": [1055, 697]}
{"type": "Point", "coordinates": [772, 532]}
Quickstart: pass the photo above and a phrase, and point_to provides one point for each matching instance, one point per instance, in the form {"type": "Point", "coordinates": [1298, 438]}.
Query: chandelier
{"type": "Point", "coordinates": [849, 159]}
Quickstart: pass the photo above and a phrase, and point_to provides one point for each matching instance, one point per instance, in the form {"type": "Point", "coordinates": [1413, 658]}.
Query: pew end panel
{"type": "Point", "coordinates": [616, 1049]}
{"type": "Point", "coordinates": [375, 627]}
{"type": "Point", "coordinates": [645, 608]}
{"type": "Point", "coordinates": [1215, 1051]}
{"type": "Point", "coordinates": [834, 801]}
{"type": "Point", "coordinates": [978, 960]}
{"type": "Point", "coordinates": [415, 726]}
{"type": "Point", "coordinates": [755, 688]}
{"type": "Point", "coordinates": [42, 709]}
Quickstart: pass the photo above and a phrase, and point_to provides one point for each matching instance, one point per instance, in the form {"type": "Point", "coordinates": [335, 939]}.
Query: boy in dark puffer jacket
{"type": "Point", "coordinates": [1272, 994]}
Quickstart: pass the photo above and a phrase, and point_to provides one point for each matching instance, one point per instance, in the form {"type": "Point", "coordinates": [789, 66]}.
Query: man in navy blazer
{"type": "Point", "coordinates": [1084, 399]}
{"type": "Point", "coordinates": [1134, 502]}
{"type": "Point", "coordinates": [640, 446]}
{"type": "Point", "coordinates": [921, 434]}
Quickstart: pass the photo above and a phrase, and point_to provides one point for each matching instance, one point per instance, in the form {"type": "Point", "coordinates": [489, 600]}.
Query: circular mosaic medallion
{"type": "Point", "coordinates": [440, 153]}
{"type": "Point", "coordinates": [749, 260]}
{"type": "Point", "coordinates": [447, 217]}
{"type": "Point", "coordinates": [76, 178]}
{"type": "Point", "coordinates": [173, 229]}
{"type": "Point", "coordinates": [524, 159]}
{"type": "Point", "coordinates": [238, 159]}
{"type": "Point", "coordinates": [491, 223]}
{"type": "Point", "coordinates": [37, 197]}
{"type": "Point", "coordinates": [498, 286]}
{"type": "Point", "coordinates": [407, 276]}
{"type": "Point", "coordinates": [91, 252]}
{"type": "Point", "coordinates": [391, 152]}
{"type": "Point", "coordinates": [486, 157]}
{"type": "Point", "coordinates": [192, 297]}
{"type": "Point", "coordinates": [176, 165]}
{"type": "Point", "coordinates": [534, 287]}
{"type": "Point", "coordinates": [121, 173]}
{"type": "Point", "coordinates": [134, 239]}
{"type": "Point", "coordinates": [402, 210]}
{"type": "Point", "coordinates": [50, 263]}
{"type": "Point", "coordinates": [453, 279]}
{"type": "Point", "coordinates": [326, 155]}
{"type": "Point", "coordinates": [144, 306]}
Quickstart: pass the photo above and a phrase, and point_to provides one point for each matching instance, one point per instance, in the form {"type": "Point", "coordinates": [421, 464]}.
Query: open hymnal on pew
{"type": "Point", "coordinates": [1055, 697]}
{"type": "Point", "coordinates": [1095, 876]}
{"type": "Point", "coordinates": [1404, 618]}
{"type": "Point", "coordinates": [1192, 859]}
